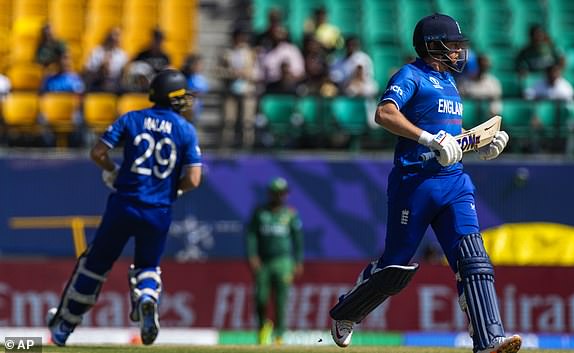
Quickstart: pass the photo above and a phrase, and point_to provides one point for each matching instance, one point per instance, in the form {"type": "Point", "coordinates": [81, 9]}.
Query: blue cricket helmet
{"type": "Point", "coordinates": [441, 29]}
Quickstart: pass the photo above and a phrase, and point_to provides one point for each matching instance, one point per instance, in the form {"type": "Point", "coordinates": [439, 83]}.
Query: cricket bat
{"type": "Point", "coordinates": [471, 140]}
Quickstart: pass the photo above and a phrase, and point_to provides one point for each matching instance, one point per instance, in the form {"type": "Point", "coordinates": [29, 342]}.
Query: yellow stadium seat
{"type": "Point", "coordinates": [27, 27]}
{"type": "Point", "coordinates": [20, 109]}
{"type": "Point", "coordinates": [26, 76]}
{"type": "Point", "coordinates": [27, 8]}
{"type": "Point", "coordinates": [178, 26]}
{"type": "Point", "coordinates": [133, 101]}
{"type": "Point", "coordinates": [134, 47]}
{"type": "Point", "coordinates": [141, 8]}
{"type": "Point", "coordinates": [131, 4]}
{"type": "Point", "coordinates": [180, 3]}
{"type": "Point", "coordinates": [67, 30]}
{"type": "Point", "coordinates": [77, 54]}
{"type": "Point", "coordinates": [61, 3]}
{"type": "Point", "coordinates": [67, 18]}
{"type": "Point", "coordinates": [5, 17]}
{"type": "Point", "coordinates": [178, 19]}
{"type": "Point", "coordinates": [179, 50]}
{"type": "Point", "coordinates": [140, 23]}
{"type": "Point", "coordinates": [59, 110]}
{"type": "Point", "coordinates": [100, 110]}
{"type": "Point", "coordinates": [102, 22]}
{"type": "Point", "coordinates": [99, 4]}
{"type": "Point", "coordinates": [4, 49]}
{"type": "Point", "coordinates": [23, 50]}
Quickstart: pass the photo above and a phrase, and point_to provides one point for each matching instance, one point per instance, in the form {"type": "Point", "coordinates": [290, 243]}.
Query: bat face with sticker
{"type": "Point", "coordinates": [473, 139]}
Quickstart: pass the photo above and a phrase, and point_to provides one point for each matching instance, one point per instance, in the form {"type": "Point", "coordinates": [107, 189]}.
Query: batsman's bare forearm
{"type": "Point", "coordinates": [390, 117]}
{"type": "Point", "coordinates": [99, 154]}
{"type": "Point", "coordinates": [191, 178]}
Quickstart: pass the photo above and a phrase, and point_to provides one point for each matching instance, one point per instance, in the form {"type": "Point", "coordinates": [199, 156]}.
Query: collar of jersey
{"type": "Point", "coordinates": [421, 64]}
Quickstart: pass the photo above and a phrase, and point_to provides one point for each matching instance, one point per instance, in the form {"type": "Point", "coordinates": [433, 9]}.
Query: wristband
{"type": "Point", "coordinates": [426, 138]}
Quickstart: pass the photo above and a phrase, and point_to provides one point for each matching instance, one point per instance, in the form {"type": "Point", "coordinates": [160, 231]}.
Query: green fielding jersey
{"type": "Point", "coordinates": [276, 233]}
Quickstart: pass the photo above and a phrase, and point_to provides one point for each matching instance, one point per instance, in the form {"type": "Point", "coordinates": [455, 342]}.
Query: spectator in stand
{"type": "Point", "coordinates": [482, 85]}
{"type": "Point", "coordinates": [281, 51]}
{"type": "Point", "coordinates": [105, 63]}
{"type": "Point", "coordinates": [154, 55]}
{"type": "Point", "coordinates": [354, 67]}
{"type": "Point", "coordinates": [316, 81]}
{"type": "Point", "coordinates": [552, 86]}
{"type": "Point", "coordinates": [539, 54]}
{"type": "Point", "coordinates": [64, 79]}
{"type": "Point", "coordinates": [5, 87]}
{"type": "Point", "coordinates": [49, 47]}
{"type": "Point", "coordinates": [136, 77]}
{"type": "Point", "coordinates": [264, 40]}
{"type": "Point", "coordinates": [360, 84]}
{"type": "Point", "coordinates": [238, 69]}
{"type": "Point", "coordinates": [196, 83]}
{"type": "Point", "coordinates": [326, 33]}
{"type": "Point", "coordinates": [287, 83]}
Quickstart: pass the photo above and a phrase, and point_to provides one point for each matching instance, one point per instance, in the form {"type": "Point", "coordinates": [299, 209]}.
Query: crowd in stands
{"type": "Point", "coordinates": [328, 64]}
{"type": "Point", "coordinates": [324, 64]}
{"type": "Point", "coordinates": [107, 69]}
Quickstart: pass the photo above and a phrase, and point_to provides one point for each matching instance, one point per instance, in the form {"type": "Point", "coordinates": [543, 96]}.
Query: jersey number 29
{"type": "Point", "coordinates": [155, 148]}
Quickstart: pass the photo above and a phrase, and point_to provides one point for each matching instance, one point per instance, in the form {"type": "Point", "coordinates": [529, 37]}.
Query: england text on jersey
{"type": "Point", "coordinates": [157, 125]}
{"type": "Point", "coordinates": [450, 107]}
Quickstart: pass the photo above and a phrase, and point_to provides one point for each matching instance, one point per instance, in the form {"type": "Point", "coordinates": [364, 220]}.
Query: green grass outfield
{"type": "Point", "coordinates": [257, 349]}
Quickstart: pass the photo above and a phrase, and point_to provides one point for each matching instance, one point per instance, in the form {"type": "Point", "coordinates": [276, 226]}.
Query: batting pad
{"type": "Point", "coordinates": [81, 292]}
{"type": "Point", "coordinates": [477, 277]}
{"type": "Point", "coordinates": [372, 292]}
{"type": "Point", "coordinates": [143, 281]}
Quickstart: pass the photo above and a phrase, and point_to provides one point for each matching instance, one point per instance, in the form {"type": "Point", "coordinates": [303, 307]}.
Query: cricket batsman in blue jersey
{"type": "Point", "coordinates": [161, 159]}
{"type": "Point", "coordinates": [422, 106]}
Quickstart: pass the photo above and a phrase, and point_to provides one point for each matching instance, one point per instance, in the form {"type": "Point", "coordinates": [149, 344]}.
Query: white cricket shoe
{"type": "Point", "coordinates": [342, 331]}
{"type": "Point", "coordinates": [504, 345]}
{"type": "Point", "coordinates": [149, 319]}
{"type": "Point", "coordinates": [60, 329]}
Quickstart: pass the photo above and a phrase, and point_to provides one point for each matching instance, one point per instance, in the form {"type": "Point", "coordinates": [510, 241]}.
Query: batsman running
{"type": "Point", "coordinates": [161, 159]}
{"type": "Point", "coordinates": [422, 106]}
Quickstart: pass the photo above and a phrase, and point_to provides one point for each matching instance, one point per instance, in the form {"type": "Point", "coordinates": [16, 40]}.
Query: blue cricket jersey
{"type": "Point", "coordinates": [157, 143]}
{"type": "Point", "coordinates": [425, 193]}
{"type": "Point", "coordinates": [430, 100]}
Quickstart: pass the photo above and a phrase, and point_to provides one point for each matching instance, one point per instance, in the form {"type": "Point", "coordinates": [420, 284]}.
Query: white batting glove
{"type": "Point", "coordinates": [495, 147]}
{"type": "Point", "coordinates": [443, 142]}
{"type": "Point", "coordinates": [110, 177]}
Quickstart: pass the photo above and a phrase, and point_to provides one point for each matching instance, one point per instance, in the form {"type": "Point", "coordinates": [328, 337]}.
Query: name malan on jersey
{"type": "Point", "coordinates": [449, 107]}
{"type": "Point", "coordinates": [157, 125]}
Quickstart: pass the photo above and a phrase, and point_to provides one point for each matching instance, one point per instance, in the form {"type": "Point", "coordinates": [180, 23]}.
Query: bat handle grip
{"type": "Point", "coordinates": [427, 156]}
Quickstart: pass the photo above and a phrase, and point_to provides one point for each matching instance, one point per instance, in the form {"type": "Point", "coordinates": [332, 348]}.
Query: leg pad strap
{"type": "Point", "coordinates": [373, 287]}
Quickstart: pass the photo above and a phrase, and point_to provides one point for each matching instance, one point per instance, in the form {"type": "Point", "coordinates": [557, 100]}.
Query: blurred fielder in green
{"type": "Point", "coordinates": [275, 254]}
